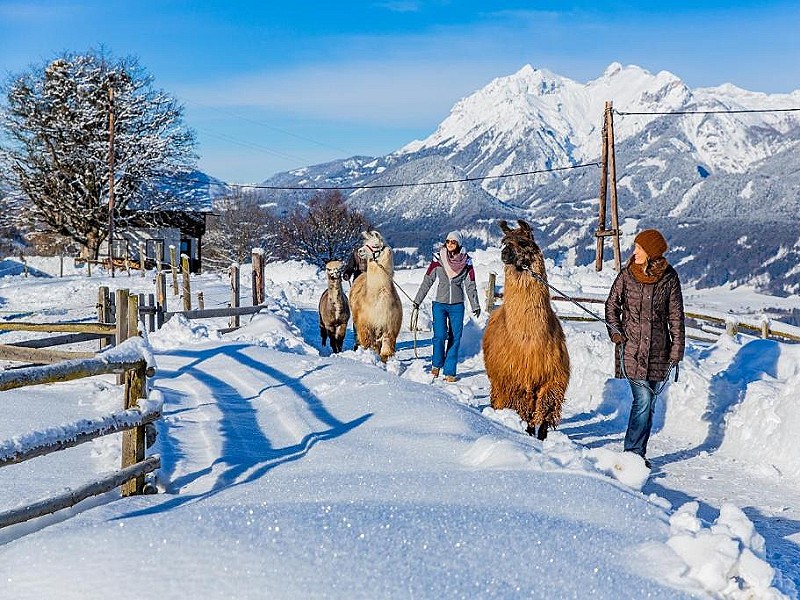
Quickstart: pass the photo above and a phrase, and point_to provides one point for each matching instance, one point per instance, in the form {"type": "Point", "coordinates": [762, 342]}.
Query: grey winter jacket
{"type": "Point", "coordinates": [651, 317]}
{"type": "Point", "coordinates": [449, 291]}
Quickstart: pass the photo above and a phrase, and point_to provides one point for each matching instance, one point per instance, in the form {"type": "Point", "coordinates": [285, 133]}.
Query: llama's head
{"type": "Point", "coordinates": [373, 245]}
{"type": "Point", "coordinates": [333, 270]}
{"type": "Point", "coordinates": [519, 249]}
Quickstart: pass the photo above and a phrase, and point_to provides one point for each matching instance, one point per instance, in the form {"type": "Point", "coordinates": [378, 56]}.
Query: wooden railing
{"type": "Point", "coordinates": [731, 324]}
{"type": "Point", "coordinates": [136, 414]}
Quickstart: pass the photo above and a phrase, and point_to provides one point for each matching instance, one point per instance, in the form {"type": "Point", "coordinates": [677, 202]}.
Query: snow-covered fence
{"type": "Point", "coordinates": [234, 309]}
{"type": "Point", "coordinates": [37, 350]}
{"type": "Point", "coordinates": [128, 360]}
{"type": "Point", "coordinates": [709, 323]}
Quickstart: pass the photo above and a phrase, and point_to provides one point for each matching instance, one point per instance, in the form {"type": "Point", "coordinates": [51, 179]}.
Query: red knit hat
{"type": "Point", "coordinates": [652, 242]}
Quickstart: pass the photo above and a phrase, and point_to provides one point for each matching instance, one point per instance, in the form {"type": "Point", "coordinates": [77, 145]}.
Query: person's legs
{"type": "Point", "coordinates": [439, 312]}
{"type": "Point", "coordinates": [455, 315]}
{"type": "Point", "coordinates": [641, 418]}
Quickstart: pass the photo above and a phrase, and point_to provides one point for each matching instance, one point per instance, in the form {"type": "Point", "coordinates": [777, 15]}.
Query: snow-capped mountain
{"type": "Point", "coordinates": [704, 165]}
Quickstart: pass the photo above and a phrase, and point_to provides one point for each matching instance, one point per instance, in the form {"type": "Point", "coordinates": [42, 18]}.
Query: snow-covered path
{"type": "Point", "coordinates": [375, 493]}
{"type": "Point", "coordinates": [289, 473]}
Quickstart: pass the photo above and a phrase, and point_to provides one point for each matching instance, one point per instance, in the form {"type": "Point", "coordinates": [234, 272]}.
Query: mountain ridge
{"type": "Point", "coordinates": [685, 158]}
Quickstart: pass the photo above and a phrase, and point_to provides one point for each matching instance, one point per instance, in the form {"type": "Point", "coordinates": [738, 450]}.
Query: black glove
{"type": "Point", "coordinates": [617, 338]}
{"type": "Point", "coordinates": [477, 312]}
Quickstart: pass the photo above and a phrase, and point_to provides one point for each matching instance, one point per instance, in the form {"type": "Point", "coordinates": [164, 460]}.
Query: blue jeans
{"type": "Point", "coordinates": [641, 419]}
{"type": "Point", "coordinates": [448, 322]}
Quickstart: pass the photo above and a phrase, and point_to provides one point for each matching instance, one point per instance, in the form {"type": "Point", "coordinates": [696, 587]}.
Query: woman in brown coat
{"type": "Point", "coordinates": [644, 311]}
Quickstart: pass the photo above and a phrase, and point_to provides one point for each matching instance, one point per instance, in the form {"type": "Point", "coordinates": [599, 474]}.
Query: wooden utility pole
{"type": "Point", "coordinates": [608, 170]}
{"type": "Point", "coordinates": [111, 179]}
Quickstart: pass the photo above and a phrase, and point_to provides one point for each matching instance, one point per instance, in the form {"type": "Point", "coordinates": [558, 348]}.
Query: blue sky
{"type": "Point", "coordinates": [273, 85]}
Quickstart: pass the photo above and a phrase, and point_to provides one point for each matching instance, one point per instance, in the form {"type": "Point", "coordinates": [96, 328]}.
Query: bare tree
{"type": "Point", "coordinates": [237, 225]}
{"type": "Point", "coordinates": [55, 151]}
{"type": "Point", "coordinates": [325, 230]}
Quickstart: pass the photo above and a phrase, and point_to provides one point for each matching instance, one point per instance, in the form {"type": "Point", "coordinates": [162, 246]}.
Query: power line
{"type": "Point", "coordinates": [251, 145]}
{"type": "Point", "coordinates": [415, 183]}
{"type": "Point", "coordinates": [267, 126]}
{"type": "Point", "coordinates": [708, 112]}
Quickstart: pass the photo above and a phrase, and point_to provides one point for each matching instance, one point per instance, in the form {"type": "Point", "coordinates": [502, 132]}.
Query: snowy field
{"type": "Point", "coordinates": [290, 473]}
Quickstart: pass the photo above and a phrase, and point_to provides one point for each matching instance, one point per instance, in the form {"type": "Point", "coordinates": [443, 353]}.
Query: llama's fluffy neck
{"type": "Point", "coordinates": [335, 292]}
{"type": "Point", "coordinates": [526, 299]}
{"type": "Point", "coordinates": [381, 270]}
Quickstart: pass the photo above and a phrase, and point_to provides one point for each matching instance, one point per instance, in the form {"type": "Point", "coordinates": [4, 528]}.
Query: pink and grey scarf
{"type": "Point", "coordinates": [453, 264]}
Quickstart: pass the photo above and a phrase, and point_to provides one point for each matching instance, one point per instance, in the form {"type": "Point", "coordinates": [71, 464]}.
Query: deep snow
{"type": "Point", "coordinates": [290, 473]}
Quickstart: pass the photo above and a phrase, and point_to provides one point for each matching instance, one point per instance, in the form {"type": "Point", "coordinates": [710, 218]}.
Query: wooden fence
{"type": "Point", "coordinates": [119, 317]}
{"type": "Point", "coordinates": [730, 324]}
{"type": "Point", "coordinates": [132, 421]}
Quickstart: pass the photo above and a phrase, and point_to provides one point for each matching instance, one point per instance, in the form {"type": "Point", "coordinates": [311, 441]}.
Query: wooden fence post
{"type": "Point", "coordinates": [765, 327]}
{"type": "Point", "coordinates": [159, 255]}
{"type": "Point", "coordinates": [123, 331]}
{"type": "Point", "coordinates": [151, 316]}
{"type": "Point", "coordinates": [142, 258]}
{"type": "Point", "coordinates": [103, 311]}
{"type": "Point", "coordinates": [122, 315]}
{"type": "Point", "coordinates": [173, 263]}
{"type": "Point", "coordinates": [187, 291]}
{"type": "Point", "coordinates": [161, 298]}
{"type": "Point", "coordinates": [731, 328]}
{"type": "Point", "coordinates": [258, 276]}
{"type": "Point", "coordinates": [490, 293]}
{"type": "Point", "coordinates": [201, 302]}
{"type": "Point", "coordinates": [133, 439]}
{"type": "Point", "coordinates": [233, 321]}
{"type": "Point", "coordinates": [133, 315]}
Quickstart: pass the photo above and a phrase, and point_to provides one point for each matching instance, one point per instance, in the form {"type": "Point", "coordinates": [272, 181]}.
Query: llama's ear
{"type": "Point", "coordinates": [504, 225]}
{"type": "Point", "coordinates": [365, 235]}
{"type": "Point", "coordinates": [524, 226]}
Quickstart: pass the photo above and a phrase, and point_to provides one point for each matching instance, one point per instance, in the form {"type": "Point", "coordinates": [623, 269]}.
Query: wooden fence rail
{"type": "Point", "coordinates": [37, 351]}
{"type": "Point", "coordinates": [731, 325]}
{"type": "Point", "coordinates": [127, 360]}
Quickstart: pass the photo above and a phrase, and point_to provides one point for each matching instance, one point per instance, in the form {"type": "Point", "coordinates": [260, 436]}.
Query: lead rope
{"type": "Point", "coordinates": [621, 345]}
{"type": "Point", "coordinates": [412, 325]}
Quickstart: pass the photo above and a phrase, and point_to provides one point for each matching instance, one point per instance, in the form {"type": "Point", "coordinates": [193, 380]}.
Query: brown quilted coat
{"type": "Point", "coordinates": [651, 318]}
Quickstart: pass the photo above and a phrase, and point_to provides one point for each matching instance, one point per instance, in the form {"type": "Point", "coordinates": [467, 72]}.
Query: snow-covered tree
{"type": "Point", "coordinates": [326, 230]}
{"type": "Point", "coordinates": [237, 225]}
{"type": "Point", "coordinates": [55, 140]}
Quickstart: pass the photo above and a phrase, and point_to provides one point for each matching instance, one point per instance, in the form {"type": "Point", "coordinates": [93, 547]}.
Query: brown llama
{"type": "Point", "coordinates": [524, 348]}
{"type": "Point", "coordinates": [376, 307]}
{"type": "Point", "coordinates": [334, 311]}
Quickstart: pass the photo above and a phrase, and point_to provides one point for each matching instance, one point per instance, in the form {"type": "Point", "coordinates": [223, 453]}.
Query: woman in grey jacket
{"type": "Point", "coordinates": [452, 268]}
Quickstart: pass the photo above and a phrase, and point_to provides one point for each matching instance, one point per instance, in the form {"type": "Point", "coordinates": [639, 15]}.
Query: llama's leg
{"type": "Point", "coordinates": [341, 331]}
{"type": "Point", "coordinates": [549, 402]}
{"type": "Point", "coordinates": [542, 433]}
{"type": "Point", "coordinates": [387, 344]}
{"type": "Point", "coordinates": [323, 333]}
{"type": "Point", "coordinates": [527, 411]}
{"type": "Point", "coordinates": [366, 338]}
{"type": "Point", "coordinates": [502, 393]}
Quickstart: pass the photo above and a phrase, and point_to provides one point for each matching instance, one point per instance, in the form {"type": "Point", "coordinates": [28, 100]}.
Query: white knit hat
{"type": "Point", "coordinates": [455, 236]}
